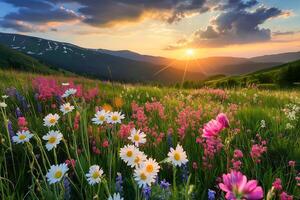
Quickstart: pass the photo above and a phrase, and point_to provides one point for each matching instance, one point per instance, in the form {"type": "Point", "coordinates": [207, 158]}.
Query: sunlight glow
{"type": "Point", "coordinates": [189, 52]}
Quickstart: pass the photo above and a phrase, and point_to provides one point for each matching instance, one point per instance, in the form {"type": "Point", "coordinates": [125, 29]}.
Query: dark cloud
{"type": "Point", "coordinates": [101, 13]}
{"type": "Point", "coordinates": [239, 22]}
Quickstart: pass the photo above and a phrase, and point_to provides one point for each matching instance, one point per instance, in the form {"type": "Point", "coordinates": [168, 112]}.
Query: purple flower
{"type": "Point", "coordinates": [10, 129]}
{"type": "Point", "coordinates": [164, 184]}
{"type": "Point", "coordinates": [211, 194]}
{"type": "Point", "coordinates": [147, 192]}
{"type": "Point", "coordinates": [119, 182]}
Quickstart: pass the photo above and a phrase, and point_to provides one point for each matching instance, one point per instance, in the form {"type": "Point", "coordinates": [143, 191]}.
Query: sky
{"type": "Point", "coordinates": [240, 28]}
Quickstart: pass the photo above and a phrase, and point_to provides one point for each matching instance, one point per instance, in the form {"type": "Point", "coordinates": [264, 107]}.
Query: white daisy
{"type": "Point", "coordinates": [65, 84]}
{"type": "Point", "coordinates": [177, 156]}
{"type": "Point", "coordinates": [100, 117]}
{"type": "Point", "coordinates": [66, 108]}
{"type": "Point", "coordinates": [127, 154]}
{"type": "Point", "coordinates": [139, 158]}
{"type": "Point", "coordinates": [115, 117]}
{"type": "Point", "coordinates": [3, 105]}
{"type": "Point", "coordinates": [95, 174]}
{"type": "Point", "coordinates": [69, 92]}
{"type": "Point", "coordinates": [137, 137]}
{"type": "Point", "coordinates": [143, 178]}
{"type": "Point", "coordinates": [53, 138]}
{"type": "Point", "coordinates": [151, 166]}
{"type": "Point", "coordinates": [115, 196]}
{"type": "Point", "coordinates": [22, 136]}
{"type": "Point", "coordinates": [4, 96]}
{"type": "Point", "coordinates": [51, 120]}
{"type": "Point", "coordinates": [56, 173]}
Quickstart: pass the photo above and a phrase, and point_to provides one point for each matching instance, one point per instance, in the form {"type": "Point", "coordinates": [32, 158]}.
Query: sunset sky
{"type": "Point", "coordinates": [161, 27]}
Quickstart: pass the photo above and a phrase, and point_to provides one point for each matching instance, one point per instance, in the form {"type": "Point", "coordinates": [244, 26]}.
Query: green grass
{"type": "Point", "coordinates": [244, 107]}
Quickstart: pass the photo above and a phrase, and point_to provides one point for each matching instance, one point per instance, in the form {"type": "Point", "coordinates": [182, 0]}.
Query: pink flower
{"type": "Point", "coordinates": [212, 129]}
{"type": "Point", "coordinates": [292, 163]}
{"type": "Point", "coordinates": [22, 123]}
{"type": "Point", "coordinates": [277, 184]}
{"type": "Point", "coordinates": [222, 118]}
{"type": "Point", "coordinates": [285, 196]}
{"type": "Point", "coordinates": [237, 154]}
{"type": "Point", "coordinates": [105, 144]}
{"type": "Point", "coordinates": [71, 163]}
{"type": "Point", "coordinates": [236, 186]}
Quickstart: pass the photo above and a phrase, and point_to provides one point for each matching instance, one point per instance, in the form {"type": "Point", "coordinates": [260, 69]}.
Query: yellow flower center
{"type": "Point", "coordinates": [177, 156]}
{"type": "Point", "coordinates": [136, 137]}
{"type": "Point", "coordinates": [67, 108]}
{"type": "Point", "coordinates": [137, 160]}
{"type": "Point", "coordinates": [52, 140]}
{"type": "Point", "coordinates": [58, 174]}
{"type": "Point", "coordinates": [114, 118]}
{"type": "Point", "coordinates": [22, 137]}
{"type": "Point", "coordinates": [143, 176]}
{"type": "Point", "coordinates": [96, 175]}
{"type": "Point", "coordinates": [101, 118]}
{"type": "Point", "coordinates": [149, 168]}
{"type": "Point", "coordinates": [52, 120]}
{"type": "Point", "coordinates": [129, 153]}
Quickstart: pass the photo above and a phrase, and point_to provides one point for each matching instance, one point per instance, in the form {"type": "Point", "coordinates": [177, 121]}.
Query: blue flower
{"type": "Point", "coordinates": [211, 194]}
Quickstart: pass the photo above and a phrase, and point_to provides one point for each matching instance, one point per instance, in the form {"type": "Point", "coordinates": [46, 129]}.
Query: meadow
{"type": "Point", "coordinates": [77, 138]}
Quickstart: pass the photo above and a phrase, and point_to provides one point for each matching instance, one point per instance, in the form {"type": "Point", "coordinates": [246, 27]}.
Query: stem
{"type": "Point", "coordinates": [174, 182]}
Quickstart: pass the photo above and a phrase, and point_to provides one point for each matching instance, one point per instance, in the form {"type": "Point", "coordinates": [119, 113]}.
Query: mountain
{"type": "Point", "coordinates": [214, 65]}
{"type": "Point", "coordinates": [12, 59]}
{"type": "Point", "coordinates": [93, 63]}
{"type": "Point", "coordinates": [285, 75]}
{"type": "Point", "coordinates": [280, 58]}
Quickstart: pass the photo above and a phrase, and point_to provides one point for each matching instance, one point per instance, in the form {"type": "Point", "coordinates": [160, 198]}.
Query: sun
{"type": "Point", "coordinates": [189, 52]}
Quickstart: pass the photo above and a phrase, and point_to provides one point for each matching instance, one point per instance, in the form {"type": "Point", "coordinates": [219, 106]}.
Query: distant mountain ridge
{"type": "Point", "coordinates": [91, 62]}
{"type": "Point", "coordinates": [125, 65]}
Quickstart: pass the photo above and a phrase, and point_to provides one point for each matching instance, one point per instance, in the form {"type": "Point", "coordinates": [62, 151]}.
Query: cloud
{"type": "Point", "coordinates": [279, 33]}
{"type": "Point", "coordinates": [102, 13]}
{"type": "Point", "coordinates": [238, 23]}
{"type": "Point", "coordinates": [35, 16]}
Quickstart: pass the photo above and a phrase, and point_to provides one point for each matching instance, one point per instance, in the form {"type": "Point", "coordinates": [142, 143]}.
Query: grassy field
{"type": "Point", "coordinates": [262, 140]}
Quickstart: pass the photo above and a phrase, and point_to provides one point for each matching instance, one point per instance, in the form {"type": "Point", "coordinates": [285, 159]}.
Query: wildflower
{"type": "Point", "coordinates": [292, 163]}
{"type": "Point", "coordinates": [115, 117]}
{"type": "Point", "coordinates": [285, 196]}
{"type": "Point", "coordinates": [177, 156]}
{"type": "Point", "coordinates": [119, 182]}
{"type": "Point", "coordinates": [66, 108]}
{"type": "Point", "coordinates": [115, 196]}
{"type": "Point", "coordinates": [263, 124]}
{"type": "Point", "coordinates": [143, 178]}
{"type": "Point", "coordinates": [22, 123]}
{"type": "Point", "coordinates": [211, 194]}
{"type": "Point", "coordinates": [67, 187]}
{"type": "Point", "coordinates": [107, 107]}
{"type": "Point", "coordinates": [22, 136]}
{"type": "Point", "coordinates": [53, 138]}
{"type": "Point", "coordinates": [51, 120]}
{"type": "Point", "coordinates": [95, 174]}
{"type": "Point", "coordinates": [69, 92]}
{"type": "Point", "coordinates": [10, 129]}
{"type": "Point", "coordinates": [222, 118]}
{"type": "Point", "coordinates": [212, 129]}
{"type": "Point", "coordinates": [236, 186]}
{"type": "Point", "coordinates": [105, 144]}
{"type": "Point", "coordinates": [151, 166]}
{"type": "Point", "coordinates": [56, 173]}
{"type": "Point", "coordinates": [71, 163]}
{"type": "Point", "coordinates": [18, 112]}
{"type": "Point", "coordinates": [118, 102]}
{"type": "Point", "coordinates": [277, 184]}
{"type": "Point", "coordinates": [185, 173]}
{"type": "Point", "coordinates": [4, 96]}
{"type": "Point", "coordinates": [139, 158]}
{"type": "Point", "coordinates": [164, 184]}
{"type": "Point", "coordinates": [3, 105]}
{"type": "Point", "coordinates": [100, 117]}
{"type": "Point", "coordinates": [146, 192]}
{"type": "Point", "coordinates": [127, 154]}
{"type": "Point", "coordinates": [65, 84]}
{"type": "Point", "coordinates": [137, 137]}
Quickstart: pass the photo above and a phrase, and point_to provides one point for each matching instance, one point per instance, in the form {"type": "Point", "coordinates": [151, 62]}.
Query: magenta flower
{"type": "Point", "coordinates": [212, 129]}
{"type": "Point", "coordinates": [237, 187]}
{"type": "Point", "coordinates": [223, 119]}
